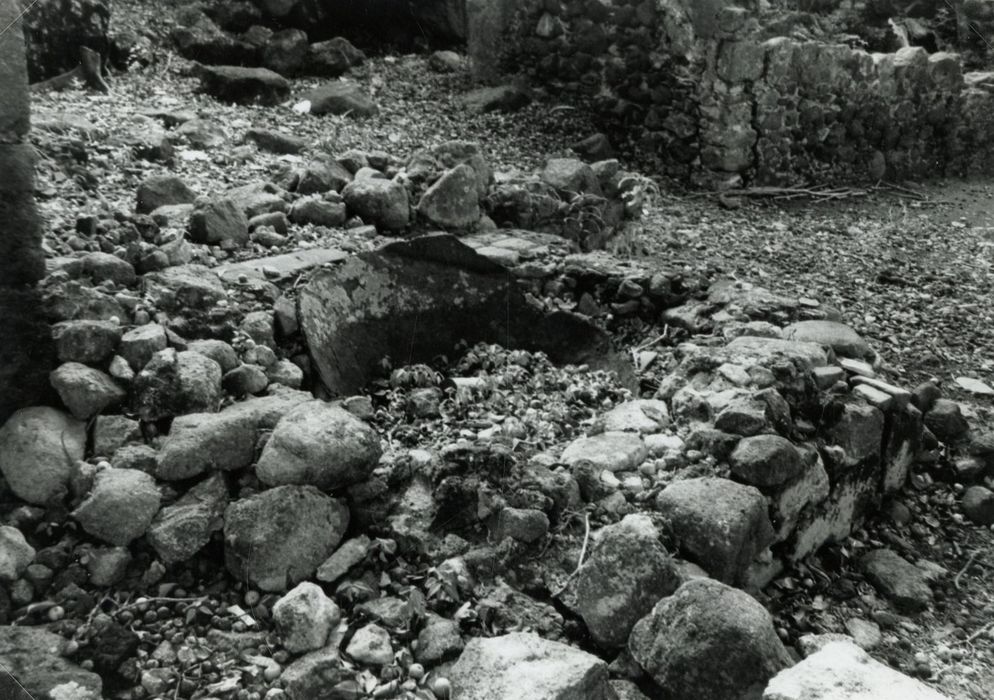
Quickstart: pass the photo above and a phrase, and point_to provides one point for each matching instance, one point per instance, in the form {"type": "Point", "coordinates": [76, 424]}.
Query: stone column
{"type": "Point", "coordinates": [25, 343]}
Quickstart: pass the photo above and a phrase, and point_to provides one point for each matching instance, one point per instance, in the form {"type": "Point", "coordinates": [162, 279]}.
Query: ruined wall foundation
{"type": "Point", "coordinates": [699, 88]}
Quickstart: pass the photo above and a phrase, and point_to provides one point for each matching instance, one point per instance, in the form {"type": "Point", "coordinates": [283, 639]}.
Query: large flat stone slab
{"type": "Point", "coordinates": [286, 265]}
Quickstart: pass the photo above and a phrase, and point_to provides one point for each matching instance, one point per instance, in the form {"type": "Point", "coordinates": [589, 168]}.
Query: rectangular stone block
{"type": "Point", "coordinates": [837, 516]}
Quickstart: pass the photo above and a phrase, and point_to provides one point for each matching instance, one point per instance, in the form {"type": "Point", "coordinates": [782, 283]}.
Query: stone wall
{"type": "Point", "coordinates": [700, 89]}
{"type": "Point", "coordinates": [22, 337]}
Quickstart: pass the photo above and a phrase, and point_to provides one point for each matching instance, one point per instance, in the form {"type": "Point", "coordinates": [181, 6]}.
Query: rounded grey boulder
{"type": "Point", "coordinates": [38, 448]}
{"type": "Point", "coordinates": [626, 575]}
{"type": "Point", "coordinates": [279, 537]}
{"type": "Point", "coordinates": [709, 641]}
{"type": "Point", "coordinates": [319, 444]}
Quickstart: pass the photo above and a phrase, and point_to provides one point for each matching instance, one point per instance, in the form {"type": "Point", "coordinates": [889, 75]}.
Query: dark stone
{"type": "Point", "coordinates": [897, 579]}
{"type": "Point", "coordinates": [111, 646]}
{"type": "Point", "coordinates": [709, 640]}
{"type": "Point", "coordinates": [332, 58]}
{"type": "Point", "coordinates": [275, 141]}
{"type": "Point", "coordinates": [461, 295]}
{"type": "Point", "coordinates": [244, 85]}
{"type": "Point", "coordinates": [286, 52]}
{"type": "Point", "coordinates": [205, 42]}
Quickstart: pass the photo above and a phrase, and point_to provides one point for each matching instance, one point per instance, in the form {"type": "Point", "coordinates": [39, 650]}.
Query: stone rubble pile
{"type": "Point", "coordinates": [766, 438]}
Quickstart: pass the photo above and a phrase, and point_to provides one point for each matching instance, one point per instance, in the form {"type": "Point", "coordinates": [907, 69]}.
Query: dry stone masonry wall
{"type": "Point", "coordinates": [702, 89]}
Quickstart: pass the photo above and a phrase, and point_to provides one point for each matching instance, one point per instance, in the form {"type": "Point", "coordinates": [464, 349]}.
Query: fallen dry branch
{"type": "Point", "coordinates": [583, 555]}
{"type": "Point", "coordinates": [822, 193]}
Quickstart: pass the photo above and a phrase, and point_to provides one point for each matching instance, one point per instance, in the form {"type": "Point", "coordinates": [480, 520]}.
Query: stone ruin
{"type": "Point", "coordinates": [770, 434]}
{"type": "Point", "coordinates": [703, 89]}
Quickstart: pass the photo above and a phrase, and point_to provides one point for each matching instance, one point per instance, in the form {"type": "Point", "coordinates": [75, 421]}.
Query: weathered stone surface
{"type": "Point", "coordinates": [244, 85]}
{"type": "Point", "coordinates": [287, 265]}
{"type": "Point", "coordinates": [180, 530]}
{"type": "Point", "coordinates": [15, 554]}
{"type": "Point", "coordinates": [765, 460]}
{"type": "Point", "coordinates": [840, 670]}
{"type": "Point", "coordinates": [333, 57]}
{"type": "Point", "coordinates": [345, 557]}
{"type": "Point", "coordinates": [276, 141]}
{"type": "Point", "coordinates": [120, 507]}
{"type": "Point", "coordinates": [226, 440]}
{"type": "Point", "coordinates": [499, 667]}
{"type": "Point", "coordinates": [218, 350]}
{"type": "Point", "coordinates": [219, 222]}
{"type": "Point", "coordinates": [838, 336]}
{"type": "Point", "coordinates": [439, 639]}
{"type": "Point", "coordinates": [319, 444]}
{"type": "Point", "coordinates": [104, 267]}
{"type": "Point", "coordinates": [341, 98]}
{"type": "Point", "coordinates": [139, 344]}
{"type": "Point", "coordinates": [859, 432]}
{"type": "Point", "coordinates": [322, 176]}
{"type": "Point", "coordinates": [765, 350]}
{"type": "Point", "coordinates": [637, 416]}
{"type": "Point", "coordinates": [33, 656]}
{"type": "Point", "coordinates": [108, 565]}
{"type": "Point", "coordinates": [945, 419]}
{"type": "Point", "coordinates": [419, 298]}
{"type": "Point", "coordinates": [318, 211]}
{"type": "Point", "coordinates": [174, 383]}
{"type": "Point", "coordinates": [162, 190]}
{"type": "Point", "coordinates": [371, 645]}
{"type": "Point", "coordinates": [571, 176]}
{"type": "Point", "coordinates": [522, 524]}
{"type": "Point", "coordinates": [451, 154]}
{"type": "Point", "coordinates": [744, 415]}
{"type": "Point", "coordinates": [627, 573]}
{"type": "Point", "coordinates": [452, 201]}
{"type": "Point", "coordinates": [896, 578]}
{"type": "Point", "coordinates": [279, 537]}
{"type": "Point", "coordinates": [612, 451]}
{"type": "Point", "coordinates": [183, 287]}
{"type": "Point", "coordinates": [85, 391]}
{"type": "Point", "coordinates": [305, 617]}
{"type": "Point", "coordinates": [978, 505]}
{"type": "Point", "coordinates": [89, 342]}
{"type": "Point", "coordinates": [721, 525]}
{"type": "Point", "coordinates": [38, 448]}
{"type": "Point", "coordinates": [310, 676]}
{"type": "Point", "coordinates": [286, 52]}
{"type": "Point", "coordinates": [244, 380]}
{"type": "Point", "coordinates": [204, 41]}
{"type": "Point", "coordinates": [383, 203]}
{"type": "Point", "coordinates": [256, 198]}
{"type": "Point", "coordinates": [709, 640]}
